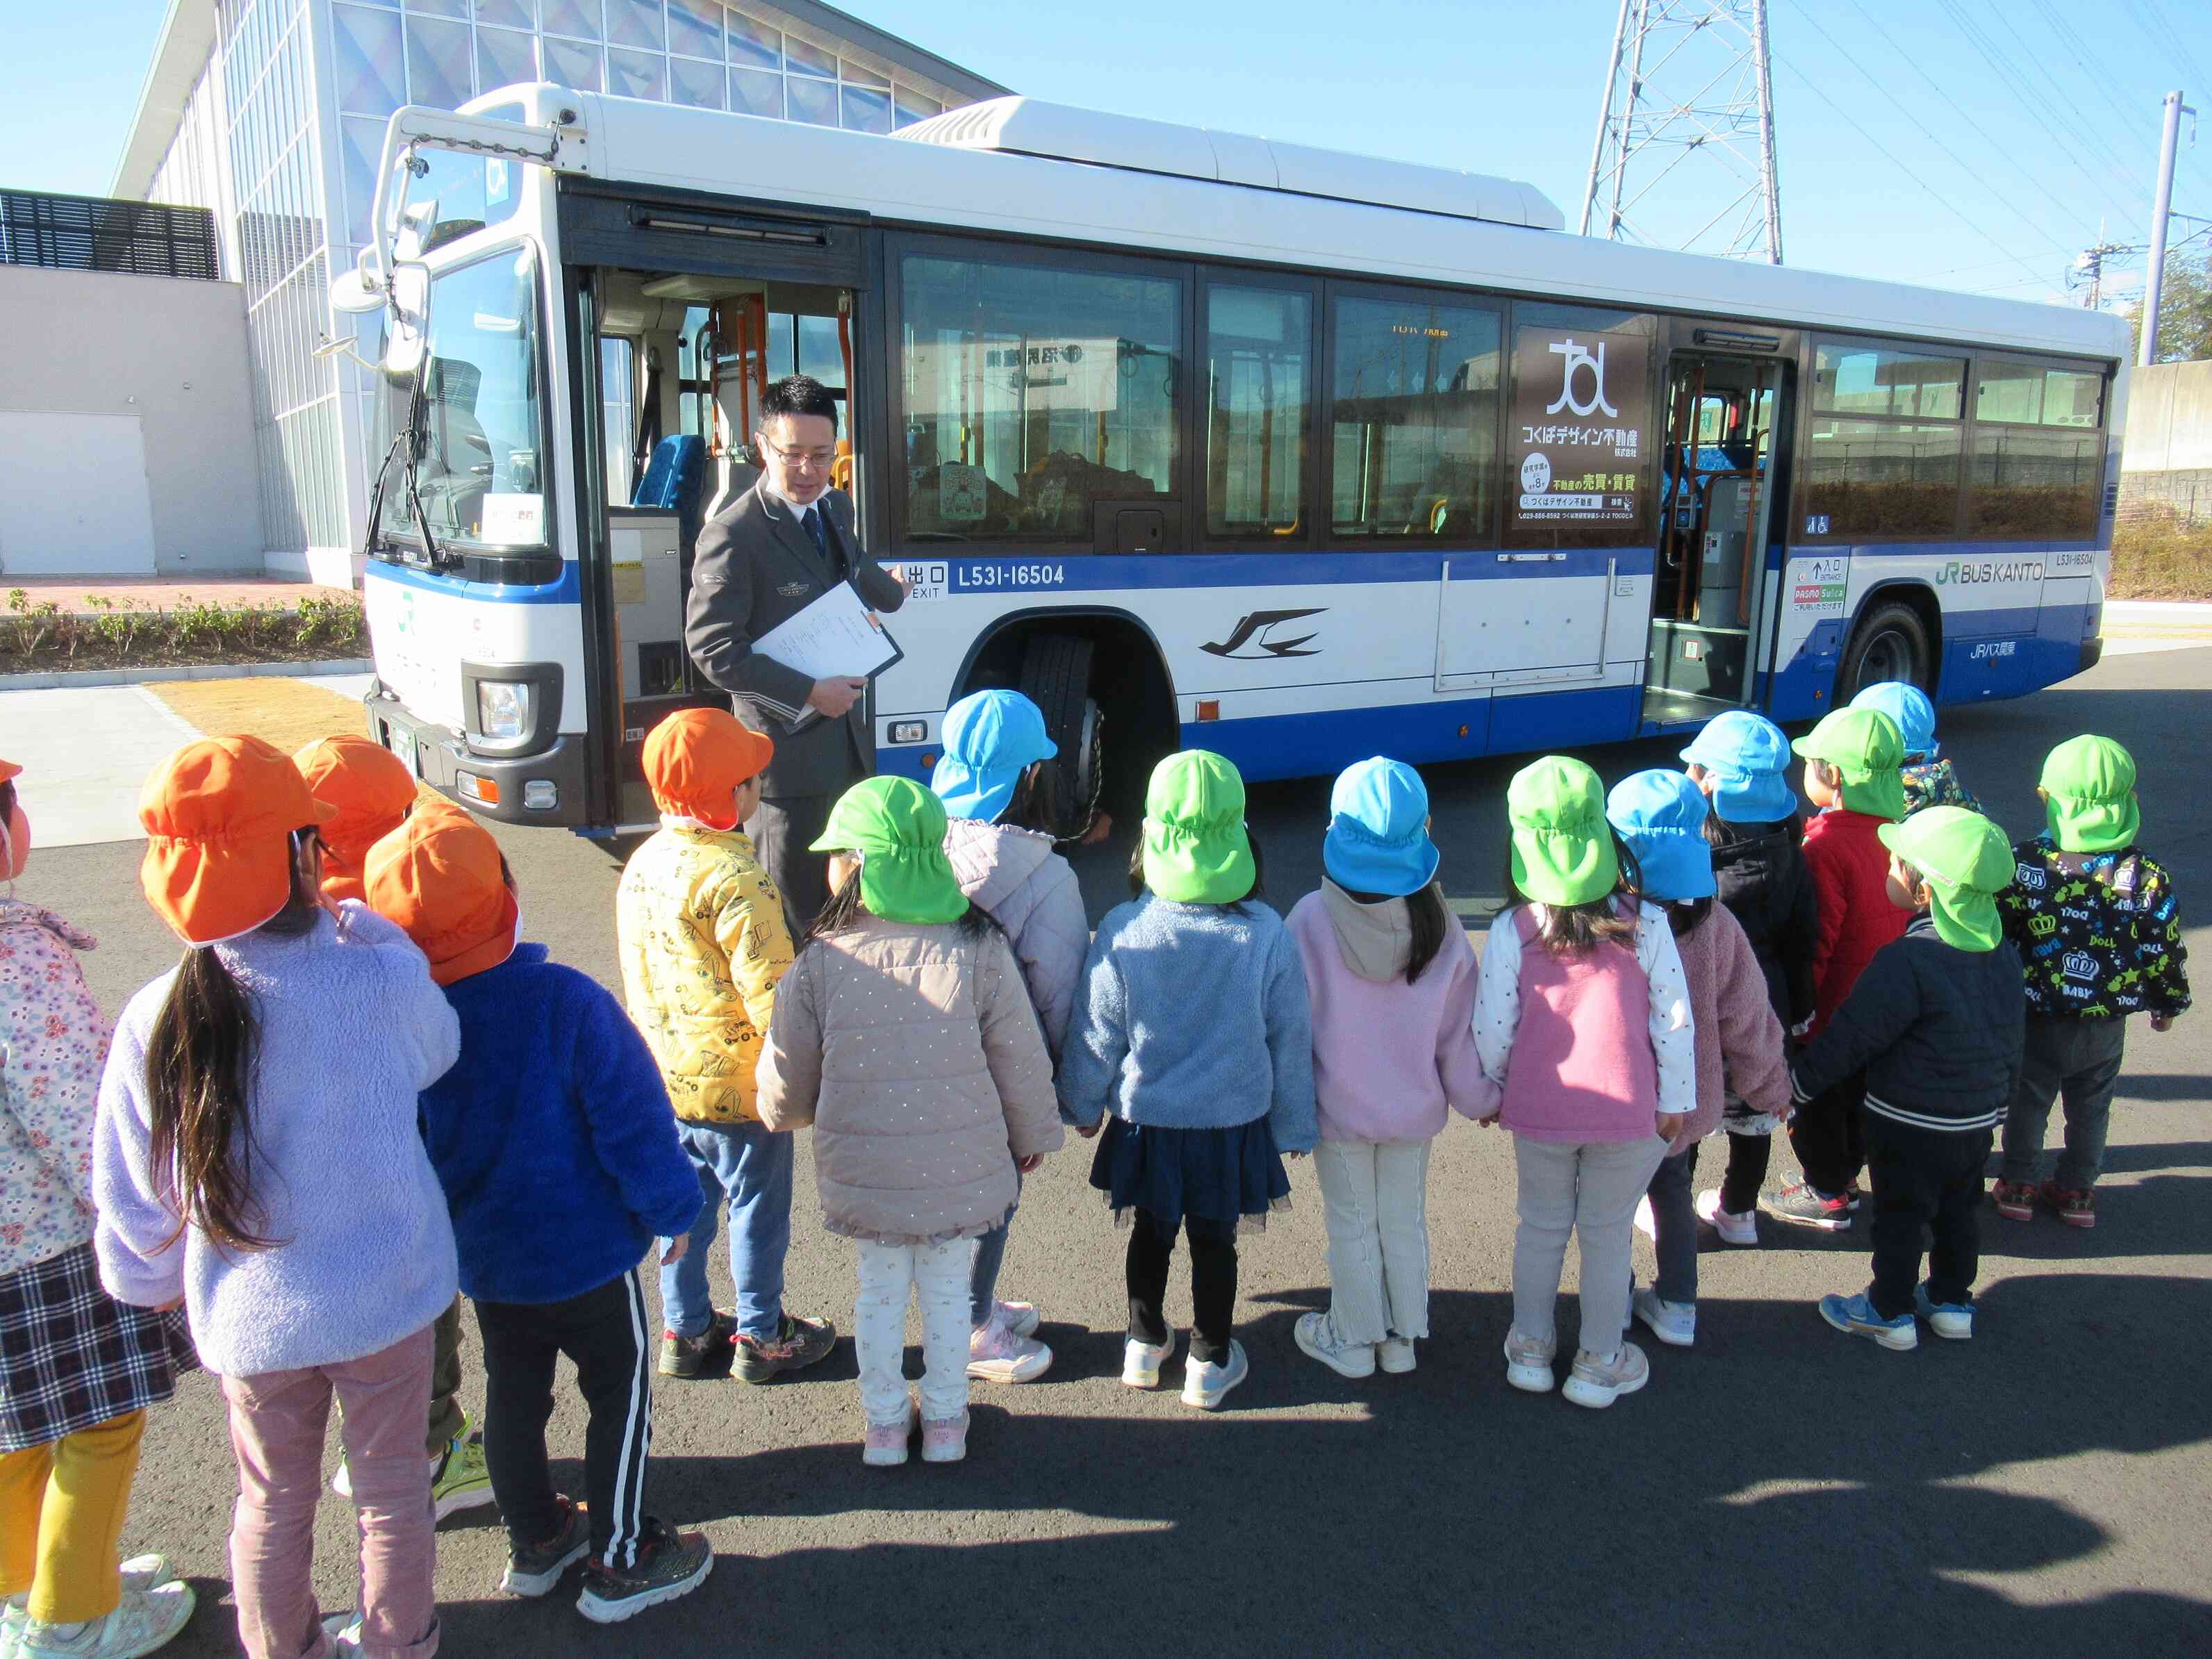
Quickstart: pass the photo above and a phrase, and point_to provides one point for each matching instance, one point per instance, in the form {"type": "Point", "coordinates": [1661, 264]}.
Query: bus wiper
{"type": "Point", "coordinates": [408, 444]}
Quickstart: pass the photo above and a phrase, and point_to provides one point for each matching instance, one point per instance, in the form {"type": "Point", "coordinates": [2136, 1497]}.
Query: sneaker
{"type": "Point", "coordinates": [1803, 1206]}
{"type": "Point", "coordinates": [461, 1481]}
{"type": "Point", "coordinates": [1646, 1222]}
{"type": "Point", "coordinates": [798, 1344]}
{"type": "Point", "coordinates": [1396, 1355]}
{"type": "Point", "coordinates": [344, 1631]}
{"type": "Point", "coordinates": [1206, 1383]}
{"type": "Point", "coordinates": [1674, 1323]}
{"type": "Point", "coordinates": [1598, 1383]}
{"type": "Point", "coordinates": [1733, 1227]}
{"type": "Point", "coordinates": [1528, 1362]}
{"type": "Point", "coordinates": [144, 1572]}
{"type": "Point", "coordinates": [1022, 1317]}
{"type": "Point", "coordinates": [535, 1569]}
{"type": "Point", "coordinates": [2016, 1200]}
{"type": "Point", "coordinates": [1855, 1315]}
{"type": "Point", "coordinates": [1315, 1333]}
{"type": "Point", "coordinates": [2076, 1205]}
{"type": "Point", "coordinates": [144, 1620]}
{"type": "Point", "coordinates": [998, 1353]}
{"type": "Point", "coordinates": [1141, 1361]}
{"type": "Point", "coordinates": [1955, 1320]}
{"type": "Point", "coordinates": [691, 1358]}
{"type": "Point", "coordinates": [944, 1440]}
{"type": "Point", "coordinates": [668, 1564]}
{"type": "Point", "coordinates": [884, 1445]}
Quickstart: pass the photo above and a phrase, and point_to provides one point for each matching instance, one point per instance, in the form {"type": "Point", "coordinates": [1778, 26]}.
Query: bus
{"type": "Point", "coordinates": [1197, 438]}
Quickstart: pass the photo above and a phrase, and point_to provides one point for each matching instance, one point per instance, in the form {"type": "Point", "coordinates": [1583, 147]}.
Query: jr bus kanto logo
{"type": "Point", "coordinates": [1253, 631]}
{"type": "Point", "coordinates": [1580, 357]}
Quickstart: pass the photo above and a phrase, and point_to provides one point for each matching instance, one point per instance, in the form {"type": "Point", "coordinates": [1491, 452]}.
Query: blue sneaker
{"type": "Point", "coordinates": [1955, 1320]}
{"type": "Point", "coordinates": [1855, 1315]}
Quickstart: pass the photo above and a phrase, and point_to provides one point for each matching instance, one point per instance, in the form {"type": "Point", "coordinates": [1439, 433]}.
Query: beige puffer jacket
{"type": "Point", "coordinates": [914, 1053]}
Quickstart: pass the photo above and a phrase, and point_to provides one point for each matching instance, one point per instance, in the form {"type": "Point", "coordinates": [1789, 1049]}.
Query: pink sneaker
{"type": "Point", "coordinates": [1022, 1317]}
{"type": "Point", "coordinates": [944, 1440]}
{"type": "Point", "coordinates": [998, 1354]}
{"type": "Point", "coordinates": [885, 1446]}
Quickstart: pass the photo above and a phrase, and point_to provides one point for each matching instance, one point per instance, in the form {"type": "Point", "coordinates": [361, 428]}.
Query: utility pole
{"type": "Point", "coordinates": [2161, 210]}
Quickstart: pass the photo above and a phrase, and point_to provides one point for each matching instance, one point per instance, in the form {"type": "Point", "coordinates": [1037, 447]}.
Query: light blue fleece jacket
{"type": "Point", "coordinates": [1194, 1016]}
{"type": "Point", "coordinates": [351, 1031]}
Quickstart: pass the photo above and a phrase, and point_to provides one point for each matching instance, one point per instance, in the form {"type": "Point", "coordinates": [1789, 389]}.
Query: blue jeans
{"type": "Point", "coordinates": [990, 1256]}
{"type": "Point", "coordinates": [751, 1168]}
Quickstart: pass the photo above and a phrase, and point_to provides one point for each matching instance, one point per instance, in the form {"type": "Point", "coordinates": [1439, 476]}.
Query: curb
{"type": "Point", "coordinates": [101, 677]}
{"type": "Point", "coordinates": [2178, 608]}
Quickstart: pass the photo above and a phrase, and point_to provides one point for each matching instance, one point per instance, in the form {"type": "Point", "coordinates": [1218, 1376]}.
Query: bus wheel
{"type": "Point", "coordinates": [1890, 644]}
{"type": "Point", "coordinates": [1056, 676]}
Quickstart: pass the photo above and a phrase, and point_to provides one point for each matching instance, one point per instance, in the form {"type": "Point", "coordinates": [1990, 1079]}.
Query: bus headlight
{"type": "Point", "coordinates": [511, 709]}
{"type": "Point", "coordinates": [503, 710]}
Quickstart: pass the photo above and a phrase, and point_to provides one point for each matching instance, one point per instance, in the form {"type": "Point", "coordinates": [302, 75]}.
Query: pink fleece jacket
{"type": "Point", "coordinates": [1389, 1057]}
{"type": "Point", "coordinates": [1739, 1044]}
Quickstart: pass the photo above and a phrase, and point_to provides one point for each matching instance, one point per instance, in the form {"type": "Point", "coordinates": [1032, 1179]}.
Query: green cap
{"type": "Point", "coordinates": [1968, 862]}
{"type": "Point", "coordinates": [2090, 796]}
{"type": "Point", "coordinates": [1865, 745]}
{"type": "Point", "coordinates": [897, 827]}
{"type": "Point", "coordinates": [1196, 849]}
{"type": "Point", "coordinates": [1562, 850]}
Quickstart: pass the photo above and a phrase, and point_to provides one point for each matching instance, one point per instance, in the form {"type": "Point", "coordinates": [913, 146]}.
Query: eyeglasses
{"type": "Point", "coordinates": [818, 460]}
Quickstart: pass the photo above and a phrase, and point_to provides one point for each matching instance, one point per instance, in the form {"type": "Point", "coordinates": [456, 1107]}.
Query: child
{"type": "Point", "coordinates": [703, 943]}
{"type": "Point", "coordinates": [1935, 1022]}
{"type": "Point", "coordinates": [1196, 1036]}
{"type": "Point", "coordinates": [2093, 917]}
{"type": "Point", "coordinates": [1661, 816]}
{"type": "Point", "coordinates": [1738, 760]}
{"type": "Point", "coordinates": [78, 1368]}
{"type": "Point", "coordinates": [1583, 1019]}
{"type": "Point", "coordinates": [1929, 781]}
{"type": "Point", "coordinates": [902, 1034]}
{"type": "Point", "coordinates": [995, 748]}
{"type": "Point", "coordinates": [370, 791]}
{"type": "Point", "coordinates": [258, 1156]}
{"type": "Point", "coordinates": [552, 1137]}
{"type": "Point", "coordinates": [1391, 977]}
{"type": "Point", "coordinates": [1851, 761]}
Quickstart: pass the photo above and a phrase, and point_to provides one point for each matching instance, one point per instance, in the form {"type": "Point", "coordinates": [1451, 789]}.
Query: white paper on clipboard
{"type": "Point", "coordinates": [835, 637]}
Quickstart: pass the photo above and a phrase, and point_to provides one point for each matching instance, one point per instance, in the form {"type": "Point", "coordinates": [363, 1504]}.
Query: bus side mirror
{"type": "Point", "coordinates": [405, 340]}
{"type": "Point", "coordinates": [352, 296]}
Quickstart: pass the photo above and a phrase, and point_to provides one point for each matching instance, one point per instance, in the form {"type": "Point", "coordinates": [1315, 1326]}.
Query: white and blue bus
{"type": "Point", "coordinates": [1198, 438]}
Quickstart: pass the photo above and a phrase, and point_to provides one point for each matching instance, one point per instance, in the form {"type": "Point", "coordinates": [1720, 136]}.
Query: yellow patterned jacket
{"type": "Point", "coordinates": [703, 943]}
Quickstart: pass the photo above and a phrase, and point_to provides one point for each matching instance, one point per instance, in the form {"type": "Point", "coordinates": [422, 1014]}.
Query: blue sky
{"type": "Point", "coordinates": [1974, 144]}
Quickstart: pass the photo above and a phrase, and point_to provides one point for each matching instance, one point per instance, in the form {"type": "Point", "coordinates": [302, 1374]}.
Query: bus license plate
{"type": "Point", "coordinates": [404, 746]}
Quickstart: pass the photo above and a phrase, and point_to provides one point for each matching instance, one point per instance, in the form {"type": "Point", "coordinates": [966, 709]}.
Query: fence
{"type": "Point", "coordinates": [92, 233]}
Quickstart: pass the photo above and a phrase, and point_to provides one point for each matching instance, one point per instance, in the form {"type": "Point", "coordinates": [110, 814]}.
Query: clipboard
{"type": "Point", "coordinates": [837, 634]}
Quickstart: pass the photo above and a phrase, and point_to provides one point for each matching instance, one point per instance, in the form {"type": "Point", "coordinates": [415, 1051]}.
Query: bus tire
{"type": "Point", "coordinates": [1890, 643]}
{"type": "Point", "coordinates": [1055, 676]}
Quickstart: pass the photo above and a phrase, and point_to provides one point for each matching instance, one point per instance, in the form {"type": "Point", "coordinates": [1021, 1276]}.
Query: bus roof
{"type": "Point", "coordinates": [1149, 186]}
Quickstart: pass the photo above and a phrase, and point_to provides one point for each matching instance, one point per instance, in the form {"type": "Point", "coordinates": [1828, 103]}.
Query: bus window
{"type": "Point", "coordinates": [1583, 428]}
{"type": "Point", "coordinates": [1870, 380]}
{"type": "Point", "coordinates": [1258, 367]}
{"type": "Point", "coordinates": [820, 353]}
{"type": "Point", "coordinates": [1892, 471]}
{"type": "Point", "coordinates": [2027, 394]}
{"type": "Point", "coordinates": [2028, 479]}
{"type": "Point", "coordinates": [618, 390]}
{"type": "Point", "coordinates": [1414, 419]}
{"type": "Point", "coordinates": [1032, 393]}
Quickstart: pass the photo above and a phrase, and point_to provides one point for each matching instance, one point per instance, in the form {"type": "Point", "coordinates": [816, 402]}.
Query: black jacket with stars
{"type": "Point", "coordinates": [2099, 933]}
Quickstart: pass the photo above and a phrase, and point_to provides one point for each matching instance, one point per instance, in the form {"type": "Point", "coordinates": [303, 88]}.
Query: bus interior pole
{"type": "Point", "coordinates": [2162, 209]}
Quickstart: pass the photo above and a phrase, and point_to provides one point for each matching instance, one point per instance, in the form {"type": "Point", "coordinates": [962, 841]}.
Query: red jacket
{"type": "Point", "coordinates": [1850, 877]}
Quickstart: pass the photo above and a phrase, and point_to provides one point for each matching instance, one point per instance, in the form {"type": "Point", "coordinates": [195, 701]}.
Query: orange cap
{"type": "Point", "coordinates": [697, 758]}
{"type": "Point", "coordinates": [438, 875]}
{"type": "Point", "coordinates": [219, 817]}
{"type": "Point", "coordinates": [369, 789]}
{"type": "Point", "coordinates": [10, 770]}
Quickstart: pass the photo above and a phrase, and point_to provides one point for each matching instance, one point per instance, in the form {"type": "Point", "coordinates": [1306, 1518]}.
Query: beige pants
{"type": "Point", "coordinates": [1589, 1190]}
{"type": "Point", "coordinates": [1376, 1196]}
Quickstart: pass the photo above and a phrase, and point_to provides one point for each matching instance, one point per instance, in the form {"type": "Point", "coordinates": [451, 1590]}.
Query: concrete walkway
{"type": "Point", "coordinates": [165, 592]}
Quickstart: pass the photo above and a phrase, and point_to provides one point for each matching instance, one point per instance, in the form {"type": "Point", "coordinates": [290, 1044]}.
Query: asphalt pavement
{"type": "Point", "coordinates": [2046, 1488]}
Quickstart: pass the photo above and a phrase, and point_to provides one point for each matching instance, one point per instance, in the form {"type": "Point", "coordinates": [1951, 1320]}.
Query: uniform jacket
{"type": "Point", "coordinates": [914, 1053]}
{"type": "Point", "coordinates": [1020, 883]}
{"type": "Point", "coordinates": [1764, 882]}
{"type": "Point", "coordinates": [754, 569]}
{"type": "Point", "coordinates": [2100, 932]}
{"type": "Point", "coordinates": [703, 942]}
{"type": "Point", "coordinates": [1850, 877]}
{"type": "Point", "coordinates": [56, 1041]}
{"type": "Point", "coordinates": [1938, 1029]}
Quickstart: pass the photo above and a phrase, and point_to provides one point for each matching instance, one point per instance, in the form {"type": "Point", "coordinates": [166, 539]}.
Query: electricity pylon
{"type": "Point", "coordinates": [1689, 104]}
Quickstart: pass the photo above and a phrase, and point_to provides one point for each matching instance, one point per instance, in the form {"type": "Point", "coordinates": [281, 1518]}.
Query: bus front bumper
{"type": "Point", "coordinates": [2092, 652]}
{"type": "Point", "coordinates": [546, 789]}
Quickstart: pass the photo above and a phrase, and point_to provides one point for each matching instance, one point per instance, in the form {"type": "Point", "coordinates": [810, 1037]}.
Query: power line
{"type": "Point", "coordinates": [2066, 105]}
{"type": "Point", "coordinates": [2175, 42]}
{"type": "Point", "coordinates": [2001, 64]}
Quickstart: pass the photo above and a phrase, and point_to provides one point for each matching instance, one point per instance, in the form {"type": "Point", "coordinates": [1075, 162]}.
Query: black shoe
{"type": "Point", "coordinates": [690, 1357]}
{"type": "Point", "coordinates": [535, 1569]}
{"type": "Point", "coordinates": [798, 1343]}
{"type": "Point", "coordinates": [668, 1564]}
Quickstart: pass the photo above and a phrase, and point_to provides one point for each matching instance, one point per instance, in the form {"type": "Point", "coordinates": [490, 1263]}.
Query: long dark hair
{"type": "Point", "coordinates": [1029, 807]}
{"type": "Point", "coordinates": [200, 1066]}
{"type": "Point", "coordinates": [844, 911]}
{"type": "Point", "coordinates": [1576, 930]}
{"type": "Point", "coordinates": [1138, 890]}
{"type": "Point", "coordinates": [1429, 914]}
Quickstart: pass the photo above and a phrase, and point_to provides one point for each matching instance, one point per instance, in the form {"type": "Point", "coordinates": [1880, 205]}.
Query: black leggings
{"type": "Point", "coordinates": [1747, 1172]}
{"type": "Point", "coordinates": [1213, 1280]}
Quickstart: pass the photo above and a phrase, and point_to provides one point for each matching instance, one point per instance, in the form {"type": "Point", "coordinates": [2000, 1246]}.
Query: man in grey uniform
{"type": "Point", "coordinates": [779, 547]}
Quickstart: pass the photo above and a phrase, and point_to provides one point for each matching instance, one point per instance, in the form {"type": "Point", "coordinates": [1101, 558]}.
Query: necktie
{"type": "Point", "coordinates": [812, 519]}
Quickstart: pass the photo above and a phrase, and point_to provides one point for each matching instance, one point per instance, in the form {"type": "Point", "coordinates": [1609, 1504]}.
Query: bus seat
{"type": "Point", "coordinates": [672, 475]}
{"type": "Point", "coordinates": [735, 475]}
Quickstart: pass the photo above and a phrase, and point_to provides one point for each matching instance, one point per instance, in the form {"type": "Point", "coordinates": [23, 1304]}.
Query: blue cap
{"type": "Point", "coordinates": [1908, 705]}
{"type": "Point", "coordinates": [1662, 815]}
{"type": "Point", "coordinates": [991, 737]}
{"type": "Point", "coordinates": [1746, 755]}
{"type": "Point", "coordinates": [1378, 830]}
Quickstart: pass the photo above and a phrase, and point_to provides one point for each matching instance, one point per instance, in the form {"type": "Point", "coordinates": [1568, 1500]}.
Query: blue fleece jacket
{"type": "Point", "coordinates": [1193, 1016]}
{"type": "Point", "coordinates": [552, 1135]}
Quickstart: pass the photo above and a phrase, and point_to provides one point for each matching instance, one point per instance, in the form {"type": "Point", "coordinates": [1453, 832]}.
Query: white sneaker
{"type": "Point", "coordinates": [1646, 1223]}
{"type": "Point", "coordinates": [1528, 1362]}
{"type": "Point", "coordinates": [1022, 1317]}
{"type": "Point", "coordinates": [1674, 1323]}
{"type": "Point", "coordinates": [1732, 1229]}
{"type": "Point", "coordinates": [1315, 1334]}
{"type": "Point", "coordinates": [1141, 1361]}
{"type": "Point", "coordinates": [1395, 1356]}
{"type": "Point", "coordinates": [999, 1353]}
{"type": "Point", "coordinates": [145, 1619]}
{"type": "Point", "coordinates": [1206, 1383]}
{"type": "Point", "coordinates": [1598, 1383]}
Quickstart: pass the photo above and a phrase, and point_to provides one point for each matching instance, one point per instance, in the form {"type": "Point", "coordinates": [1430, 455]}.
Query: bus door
{"type": "Point", "coordinates": [704, 310]}
{"type": "Point", "coordinates": [1722, 470]}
